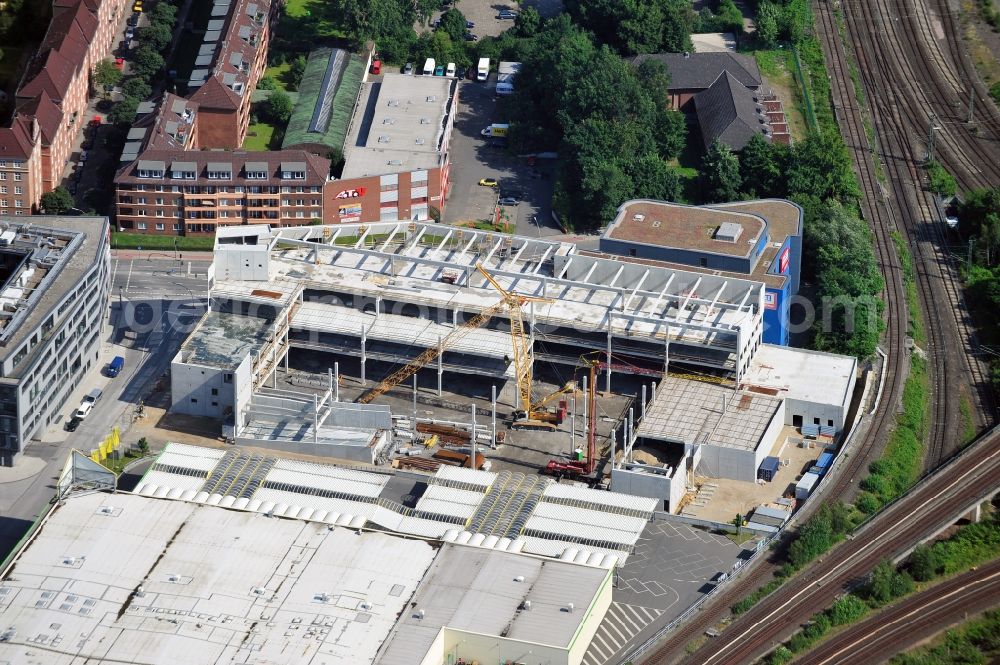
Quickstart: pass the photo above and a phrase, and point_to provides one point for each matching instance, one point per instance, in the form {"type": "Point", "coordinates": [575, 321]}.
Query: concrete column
{"type": "Point", "coordinates": [586, 408]}
{"type": "Point", "coordinates": [364, 351]}
{"type": "Point", "coordinates": [642, 404]}
{"type": "Point", "coordinates": [631, 433]}
{"type": "Point", "coordinates": [493, 429]}
{"type": "Point", "coordinates": [472, 440]}
{"type": "Point", "coordinates": [976, 514]}
{"type": "Point", "coordinates": [652, 390]}
{"type": "Point", "coordinates": [440, 365]}
{"type": "Point", "coordinates": [274, 363]}
{"type": "Point", "coordinates": [329, 379]}
{"type": "Point", "coordinates": [614, 445]}
{"type": "Point", "coordinates": [336, 381]}
{"type": "Point", "coordinates": [415, 399]}
{"type": "Point", "coordinates": [607, 386]}
{"type": "Point", "coordinates": [315, 419]}
{"type": "Point", "coordinates": [666, 353]}
{"type": "Point", "coordinates": [378, 306]}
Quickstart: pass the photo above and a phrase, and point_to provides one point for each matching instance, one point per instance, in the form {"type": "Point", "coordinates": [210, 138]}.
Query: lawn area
{"type": "Point", "coordinates": [776, 66]}
{"type": "Point", "coordinates": [311, 22]}
{"type": "Point", "coordinates": [259, 137]}
{"type": "Point", "coordinates": [121, 240]}
{"type": "Point", "coordinates": [278, 74]}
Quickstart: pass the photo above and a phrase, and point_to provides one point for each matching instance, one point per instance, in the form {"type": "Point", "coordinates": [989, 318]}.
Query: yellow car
{"type": "Point", "coordinates": [137, 7]}
{"type": "Point", "coordinates": [489, 182]}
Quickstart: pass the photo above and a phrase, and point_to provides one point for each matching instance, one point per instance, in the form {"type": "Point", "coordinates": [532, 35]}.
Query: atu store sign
{"type": "Point", "coordinates": [351, 193]}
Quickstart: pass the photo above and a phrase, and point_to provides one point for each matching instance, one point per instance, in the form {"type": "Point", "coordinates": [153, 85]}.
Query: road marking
{"type": "Point", "coordinates": [621, 623]}
{"type": "Point", "coordinates": [128, 280]}
{"type": "Point", "coordinates": [878, 537]}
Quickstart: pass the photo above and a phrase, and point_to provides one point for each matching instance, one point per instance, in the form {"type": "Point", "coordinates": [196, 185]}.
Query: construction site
{"type": "Point", "coordinates": [417, 346]}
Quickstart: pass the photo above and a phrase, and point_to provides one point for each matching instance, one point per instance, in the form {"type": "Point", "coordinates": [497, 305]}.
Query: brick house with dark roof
{"type": "Point", "coordinates": [239, 59]}
{"type": "Point", "coordinates": [188, 192]}
{"type": "Point", "coordinates": [51, 102]}
{"type": "Point", "coordinates": [726, 92]}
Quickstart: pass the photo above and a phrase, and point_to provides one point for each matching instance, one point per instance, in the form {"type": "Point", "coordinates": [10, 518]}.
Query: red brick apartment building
{"type": "Point", "coordinates": [239, 58]}
{"type": "Point", "coordinates": [187, 192]}
{"type": "Point", "coordinates": [50, 104]}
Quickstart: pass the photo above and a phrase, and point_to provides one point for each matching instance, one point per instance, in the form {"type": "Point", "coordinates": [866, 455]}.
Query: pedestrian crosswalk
{"type": "Point", "coordinates": [620, 625]}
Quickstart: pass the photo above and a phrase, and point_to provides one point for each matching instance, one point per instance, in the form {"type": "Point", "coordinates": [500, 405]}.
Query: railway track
{"type": "Point", "coordinates": [907, 623]}
{"type": "Point", "coordinates": [916, 517]}
{"type": "Point", "coordinates": [889, 59]}
{"type": "Point", "coordinates": [905, 208]}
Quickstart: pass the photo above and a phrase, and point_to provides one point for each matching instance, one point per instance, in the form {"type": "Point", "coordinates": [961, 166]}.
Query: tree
{"type": "Point", "coordinates": [106, 75]}
{"type": "Point", "coordinates": [654, 179]}
{"type": "Point", "coordinates": [279, 107]}
{"type": "Point", "coordinates": [163, 13]}
{"type": "Point", "coordinates": [267, 83]}
{"type": "Point", "coordinates": [146, 61]}
{"type": "Point", "coordinates": [820, 166]}
{"type": "Point", "coordinates": [720, 170]}
{"type": "Point", "coordinates": [886, 584]}
{"type": "Point", "coordinates": [527, 23]}
{"type": "Point", "coordinates": [57, 201]}
{"type": "Point", "coordinates": [143, 445]}
{"type": "Point", "coordinates": [847, 609]}
{"type": "Point", "coordinates": [453, 23]}
{"type": "Point", "coordinates": [768, 15]}
{"type": "Point", "coordinates": [425, 8]}
{"type": "Point", "coordinates": [157, 35]}
{"type": "Point", "coordinates": [136, 87]}
{"type": "Point", "coordinates": [123, 113]}
{"type": "Point", "coordinates": [296, 70]}
{"type": "Point", "coordinates": [923, 563]}
{"type": "Point", "coordinates": [761, 168]}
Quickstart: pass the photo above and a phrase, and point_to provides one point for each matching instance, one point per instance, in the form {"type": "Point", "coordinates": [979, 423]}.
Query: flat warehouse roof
{"type": "Point", "coordinates": [216, 586]}
{"type": "Point", "coordinates": [689, 227]}
{"type": "Point", "coordinates": [810, 376]}
{"type": "Point", "coordinates": [398, 125]}
{"type": "Point", "coordinates": [482, 591]}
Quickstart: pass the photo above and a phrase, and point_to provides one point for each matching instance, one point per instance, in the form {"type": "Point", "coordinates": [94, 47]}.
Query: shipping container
{"type": "Point", "coordinates": [768, 468]}
{"type": "Point", "coordinates": [824, 461]}
{"type": "Point", "coordinates": [806, 485]}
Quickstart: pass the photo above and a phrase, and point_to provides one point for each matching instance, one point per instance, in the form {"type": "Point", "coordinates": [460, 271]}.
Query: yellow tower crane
{"type": "Point", "coordinates": [512, 303]}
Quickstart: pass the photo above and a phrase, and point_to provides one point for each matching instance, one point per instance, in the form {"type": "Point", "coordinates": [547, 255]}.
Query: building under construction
{"type": "Point", "coordinates": [449, 301]}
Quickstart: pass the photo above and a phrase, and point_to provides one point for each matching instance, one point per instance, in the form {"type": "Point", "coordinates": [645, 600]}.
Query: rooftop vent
{"type": "Point", "coordinates": [383, 139]}
{"type": "Point", "coordinates": [395, 162]}
{"type": "Point", "coordinates": [394, 103]}
{"type": "Point", "coordinates": [728, 232]}
{"type": "Point", "coordinates": [425, 121]}
{"type": "Point", "coordinates": [419, 141]}
{"type": "Point", "coordinates": [431, 98]}
{"type": "Point", "coordinates": [638, 218]}
{"type": "Point", "coordinates": [388, 121]}
{"type": "Point", "coordinates": [656, 223]}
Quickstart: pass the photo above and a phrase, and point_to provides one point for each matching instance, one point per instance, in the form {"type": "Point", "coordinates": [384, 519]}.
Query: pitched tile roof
{"type": "Point", "coordinates": [729, 112]}
{"type": "Point", "coordinates": [48, 114]}
{"type": "Point", "coordinates": [697, 71]}
{"type": "Point", "coordinates": [54, 76]}
{"type": "Point", "coordinates": [214, 95]}
{"type": "Point", "coordinates": [15, 142]}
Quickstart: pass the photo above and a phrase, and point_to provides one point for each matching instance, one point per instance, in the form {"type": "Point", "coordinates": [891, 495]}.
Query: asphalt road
{"type": "Point", "coordinates": [912, 620]}
{"type": "Point", "coordinates": [158, 275]}
{"type": "Point", "coordinates": [154, 304]}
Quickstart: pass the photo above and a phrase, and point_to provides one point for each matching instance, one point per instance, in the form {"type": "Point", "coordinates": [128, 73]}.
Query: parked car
{"type": "Point", "coordinates": [508, 201]}
{"type": "Point", "coordinates": [469, 37]}
{"type": "Point", "coordinates": [83, 410]}
{"type": "Point", "coordinates": [436, 23]}
{"type": "Point", "coordinates": [439, 70]}
{"type": "Point", "coordinates": [506, 15]}
{"type": "Point", "coordinates": [461, 72]}
{"type": "Point", "coordinates": [115, 366]}
{"type": "Point", "coordinates": [470, 25]}
{"type": "Point", "coordinates": [129, 35]}
{"type": "Point", "coordinates": [408, 69]}
{"type": "Point", "coordinates": [83, 156]}
{"type": "Point", "coordinates": [489, 182]}
{"type": "Point", "coordinates": [72, 424]}
{"type": "Point", "coordinates": [120, 63]}
{"type": "Point", "coordinates": [376, 67]}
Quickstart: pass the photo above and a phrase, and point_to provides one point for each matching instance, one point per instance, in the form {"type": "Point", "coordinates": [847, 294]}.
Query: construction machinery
{"type": "Point", "coordinates": [531, 414]}
{"type": "Point", "coordinates": [576, 468]}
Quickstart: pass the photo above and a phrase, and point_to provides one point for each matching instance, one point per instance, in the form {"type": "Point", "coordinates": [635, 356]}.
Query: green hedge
{"type": "Point", "coordinates": [121, 240]}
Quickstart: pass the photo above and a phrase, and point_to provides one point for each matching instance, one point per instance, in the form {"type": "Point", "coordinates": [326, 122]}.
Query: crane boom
{"type": "Point", "coordinates": [412, 367]}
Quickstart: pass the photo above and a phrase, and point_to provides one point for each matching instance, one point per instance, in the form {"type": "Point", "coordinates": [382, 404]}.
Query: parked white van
{"type": "Point", "coordinates": [429, 67]}
{"type": "Point", "coordinates": [83, 410]}
{"type": "Point", "coordinates": [450, 71]}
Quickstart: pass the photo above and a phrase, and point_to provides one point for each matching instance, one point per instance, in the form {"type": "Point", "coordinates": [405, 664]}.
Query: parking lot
{"type": "Point", "coordinates": [474, 157]}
